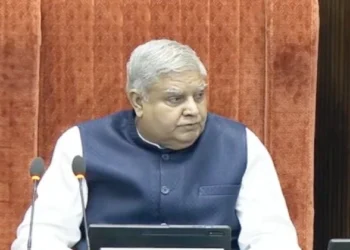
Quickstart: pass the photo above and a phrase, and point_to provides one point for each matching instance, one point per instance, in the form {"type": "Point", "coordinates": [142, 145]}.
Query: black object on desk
{"type": "Point", "coordinates": [339, 244]}
{"type": "Point", "coordinates": [159, 236]}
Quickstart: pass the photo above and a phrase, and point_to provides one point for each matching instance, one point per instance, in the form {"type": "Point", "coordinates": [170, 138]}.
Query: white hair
{"type": "Point", "coordinates": [157, 57]}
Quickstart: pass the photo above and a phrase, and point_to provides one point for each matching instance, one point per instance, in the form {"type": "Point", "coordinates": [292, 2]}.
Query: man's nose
{"type": "Point", "coordinates": [191, 107]}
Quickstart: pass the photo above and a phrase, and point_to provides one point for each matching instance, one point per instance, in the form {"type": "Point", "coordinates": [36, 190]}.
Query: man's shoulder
{"type": "Point", "coordinates": [225, 124]}
{"type": "Point", "coordinates": [231, 128]}
{"type": "Point", "coordinates": [117, 119]}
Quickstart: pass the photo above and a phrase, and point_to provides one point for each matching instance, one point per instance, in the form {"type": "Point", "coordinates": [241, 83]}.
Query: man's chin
{"type": "Point", "coordinates": [184, 139]}
{"type": "Point", "coordinates": [189, 138]}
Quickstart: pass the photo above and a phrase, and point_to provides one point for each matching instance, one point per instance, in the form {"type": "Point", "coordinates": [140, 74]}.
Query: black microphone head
{"type": "Point", "coordinates": [78, 166]}
{"type": "Point", "coordinates": [37, 168]}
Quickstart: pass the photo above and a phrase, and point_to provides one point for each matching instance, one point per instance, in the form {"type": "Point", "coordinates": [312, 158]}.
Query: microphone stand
{"type": "Point", "coordinates": [29, 243]}
{"type": "Point", "coordinates": [84, 213]}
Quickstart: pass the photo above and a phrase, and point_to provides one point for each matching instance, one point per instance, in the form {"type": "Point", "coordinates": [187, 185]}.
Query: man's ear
{"type": "Point", "coordinates": [136, 100]}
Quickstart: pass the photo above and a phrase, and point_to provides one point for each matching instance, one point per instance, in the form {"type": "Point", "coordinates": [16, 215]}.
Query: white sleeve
{"type": "Point", "coordinates": [261, 207]}
{"type": "Point", "coordinates": [58, 210]}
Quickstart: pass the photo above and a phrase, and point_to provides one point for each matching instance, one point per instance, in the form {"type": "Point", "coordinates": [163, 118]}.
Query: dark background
{"type": "Point", "coordinates": [332, 150]}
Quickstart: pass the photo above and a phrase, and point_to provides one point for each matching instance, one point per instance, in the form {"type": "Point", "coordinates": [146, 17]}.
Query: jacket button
{"type": "Point", "coordinates": [165, 190]}
{"type": "Point", "coordinates": [165, 157]}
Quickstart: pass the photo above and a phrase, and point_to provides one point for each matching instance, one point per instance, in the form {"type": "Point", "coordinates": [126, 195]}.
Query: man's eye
{"type": "Point", "coordinates": [199, 96]}
{"type": "Point", "coordinates": [175, 99]}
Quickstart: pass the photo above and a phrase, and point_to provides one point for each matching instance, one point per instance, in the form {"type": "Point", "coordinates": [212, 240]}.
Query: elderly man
{"type": "Point", "coordinates": [165, 161]}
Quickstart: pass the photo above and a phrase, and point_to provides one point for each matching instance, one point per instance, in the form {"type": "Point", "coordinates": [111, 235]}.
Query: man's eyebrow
{"type": "Point", "coordinates": [173, 90]}
{"type": "Point", "coordinates": [203, 86]}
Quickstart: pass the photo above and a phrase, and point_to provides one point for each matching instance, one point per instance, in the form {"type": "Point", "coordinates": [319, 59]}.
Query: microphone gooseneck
{"type": "Point", "coordinates": [37, 169]}
{"type": "Point", "coordinates": [79, 169]}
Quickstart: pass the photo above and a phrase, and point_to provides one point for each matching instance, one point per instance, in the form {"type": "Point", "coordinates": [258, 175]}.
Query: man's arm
{"type": "Point", "coordinates": [58, 211]}
{"type": "Point", "coordinates": [261, 207]}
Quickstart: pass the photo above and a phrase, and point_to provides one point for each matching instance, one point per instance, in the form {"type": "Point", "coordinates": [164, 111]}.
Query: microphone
{"type": "Point", "coordinates": [79, 169]}
{"type": "Point", "coordinates": [37, 169]}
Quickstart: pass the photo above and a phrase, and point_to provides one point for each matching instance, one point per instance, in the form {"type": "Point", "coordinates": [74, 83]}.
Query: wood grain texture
{"type": "Point", "coordinates": [19, 67]}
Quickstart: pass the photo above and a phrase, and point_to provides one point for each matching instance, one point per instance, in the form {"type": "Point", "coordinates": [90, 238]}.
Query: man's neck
{"type": "Point", "coordinates": [145, 140]}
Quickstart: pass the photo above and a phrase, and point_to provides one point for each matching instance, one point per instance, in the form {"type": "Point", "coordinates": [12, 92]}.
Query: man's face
{"type": "Point", "coordinates": [175, 112]}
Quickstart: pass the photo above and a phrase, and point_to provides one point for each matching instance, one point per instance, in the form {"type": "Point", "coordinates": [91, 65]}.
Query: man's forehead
{"type": "Point", "coordinates": [179, 83]}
